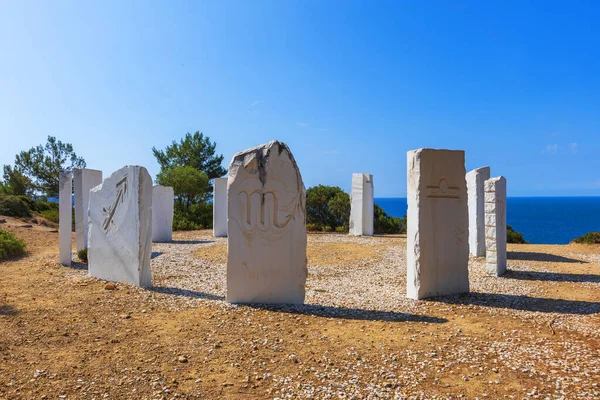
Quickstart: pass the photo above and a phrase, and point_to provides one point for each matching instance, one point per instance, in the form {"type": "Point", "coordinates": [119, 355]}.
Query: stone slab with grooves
{"type": "Point", "coordinates": [120, 232]}
{"type": "Point", "coordinates": [266, 251]}
{"type": "Point", "coordinates": [437, 239]}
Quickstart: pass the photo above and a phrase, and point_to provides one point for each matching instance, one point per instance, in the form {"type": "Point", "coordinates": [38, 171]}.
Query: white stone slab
{"type": "Point", "coordinates": [83, 181]}
{"type": "Point", "coordinates": [361, 205]}
{"type": "Point", "coordinates": [163, 200]}
{"type": "Point", "coordinates": [475, 182]}
{"type": "Point", "coordinates": [495, 225]}
{"type": "Point", "coordinates": [437, 237]}
{"type": "Point", "coordinates": [65, 216]}
{"type": "Point", "coordinates": [266, 252]}
{"type": "Point", "coordinates": [120, 232]}
{"type": "Point", "coordinates": [220, 208]}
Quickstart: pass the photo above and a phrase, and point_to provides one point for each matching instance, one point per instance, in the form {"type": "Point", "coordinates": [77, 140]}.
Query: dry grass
{"type": "Point", "coordinates": [532, 334]}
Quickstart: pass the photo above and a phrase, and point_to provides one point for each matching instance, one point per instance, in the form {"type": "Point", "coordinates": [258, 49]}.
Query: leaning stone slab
{"type": "Point", "coordinates": [120, 232]}
{"type": "Point", "coordinates": [220, 208]}
{"type": "Point", "coordinates": [437, 237]}
{"type": "Point", "coordinates": [65, 217]}
{"type": "Point", "coordinates": [495, 225]}
{"type": "Point", "coordinates": [266, 252]}
{"type": "Point", "coordinates": [361, 205]}
{"type": "Point", "coordinates": [83, 181]}
{"type": "Point", "coordinates": [475, 181]}
{"type": "Point", "coordinates": [163, 199]}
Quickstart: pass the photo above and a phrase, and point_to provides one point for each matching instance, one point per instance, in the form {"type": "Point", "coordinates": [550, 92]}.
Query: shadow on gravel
{"type": "Point", "coordinates": [155, 254]}
{"type": "Point", "coordinates": [8, 311]}
{"type": "Point", "coordinates": [526, 256]}
{"type": "Point", "coordinates": [186, 293]}
{"type": "Point", "coordinates": [188, 242]}
{"type": "Point", "coordinates": [77, 265]}
{"type": "Point", "coordinates": [524, 303]}
{"type": "Point", "coordinates": [347, 313]}
{"type": "Point", "coordinates": [550, 276]}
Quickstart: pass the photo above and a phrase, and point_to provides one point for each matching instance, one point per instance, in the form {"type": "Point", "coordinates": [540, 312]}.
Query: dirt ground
{"type": "Point", "coordinates": [63, 335]}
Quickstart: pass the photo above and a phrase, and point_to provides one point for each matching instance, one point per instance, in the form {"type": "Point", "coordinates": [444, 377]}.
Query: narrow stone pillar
{"type": "Point", "coordinates": [220, 208]}
{"type": "Point", "coordinates": [437, 254]}
{"type": "Point", "coordinates": [266, 211]}
{"type": "Point", "coordinates": [65, 218]}
{"type": "Point", "coordinates": [361, 205]}
{"type": "Point", "coordinates": [163, 200]}
{"type": "Point", "coordinates": [495, 225]}
{"type": "Point", "coordinates": [83, 180]}
{"type": "Point", "coordinates": [475, 183]}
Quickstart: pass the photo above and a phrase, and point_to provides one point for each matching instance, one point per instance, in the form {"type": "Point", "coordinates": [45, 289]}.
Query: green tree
{"type": "Point", "coordinates": [196, 151]}
{"type": "Point", "coordinates": [38, 168]}
{"type": "Point", "coordinates": [327, 206]}
{"type": "Point", "coordinates": [15, 183]}
{"type": "Point", "coordinates": [384, 223]}
{"type": "Point", "coordinates": [188, 183]}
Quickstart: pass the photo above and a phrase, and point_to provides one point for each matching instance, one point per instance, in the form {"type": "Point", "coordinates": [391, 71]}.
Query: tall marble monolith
{"type": "Point", "coordinates": [65, 216]}
{"type": "Point", "coordinates": [266, 252]}
{"type": "Point", "coordinates": [83, 181]}
{"type": "Point", "coordinates": [495, 225]}
{"type": "Point", "coordinates": [475, 181]}
{"type": "Point", "coordinates": [361, 205]}
{"type": "Point", "coordinates": [120, 232]}
{"type": "Point", "coordinates": [437, 238]}
{"type": "Point", "coordinates": [220, 208]}
{"type": "Point", "coordinates": [163, 201]}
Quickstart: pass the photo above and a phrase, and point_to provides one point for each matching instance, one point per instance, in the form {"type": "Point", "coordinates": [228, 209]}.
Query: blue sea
{"type": "Point", "coordinates": [541, 220]}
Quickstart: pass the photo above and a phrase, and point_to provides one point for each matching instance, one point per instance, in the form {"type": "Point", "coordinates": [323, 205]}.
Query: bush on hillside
{"type": "Point", "coordinates": [50, 215]}
{"type": "Point", "coordinates": [10, 246]}
{"type": "Point", "coordinates": [588, 238]}
{"type": "Point", "coordinates": [15, 206]}
{"type": "Point", "coordinates": [514, 237]}
{"type": "Point", "coordinates": [384, 223]}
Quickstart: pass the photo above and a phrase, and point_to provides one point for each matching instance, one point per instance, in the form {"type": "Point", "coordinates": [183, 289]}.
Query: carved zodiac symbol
{"type": "Point", "coordinates": [262, 225]}
{"type": "Point", "coordinates": [443, 190]}
{"type": "Point", "coordinates": [110, 212]}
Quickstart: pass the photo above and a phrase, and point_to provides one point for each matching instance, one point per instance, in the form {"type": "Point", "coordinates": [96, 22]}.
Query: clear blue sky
{"type": "Point", "coordinates": [349, 86]}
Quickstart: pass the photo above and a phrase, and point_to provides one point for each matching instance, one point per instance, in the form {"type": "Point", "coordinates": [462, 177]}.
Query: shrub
{"type": "Point", "coordinates": [197, 216]}
{"type": "Point", "coordinates": [181, 223]}
{"type": "Point", "coordinates": [51, 215]}
{"type": "Point", "coordinates": [82, 254]}
{"type": "Point", "coordinates": [14, 206]}
{"type": "Point", "coordinates": [312, 227]}
{"type": "Point", "coordinates": [588, 238]}
{"type": "Point", "coordinates": [41, 206]}
{"type": "Point", "coordinates": [327, 228]}
{"type": "Point", "coordinates": [10, 246]}
{"type": "Point", "coordinates": [384, 223]}
{"type": "Point", "coordinates": [341, 229]}
{"type": "Point", "coordinates": [514, 237]}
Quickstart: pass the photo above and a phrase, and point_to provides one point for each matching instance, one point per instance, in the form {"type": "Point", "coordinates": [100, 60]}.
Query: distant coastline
{"type": "Point", "coordinates": [542, 220]}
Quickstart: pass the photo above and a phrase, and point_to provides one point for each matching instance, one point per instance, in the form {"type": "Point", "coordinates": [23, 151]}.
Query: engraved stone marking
{"type": "Point", "coordinates": [110, 212]}
{"type": "Point", "coordinates": [443, 190]}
